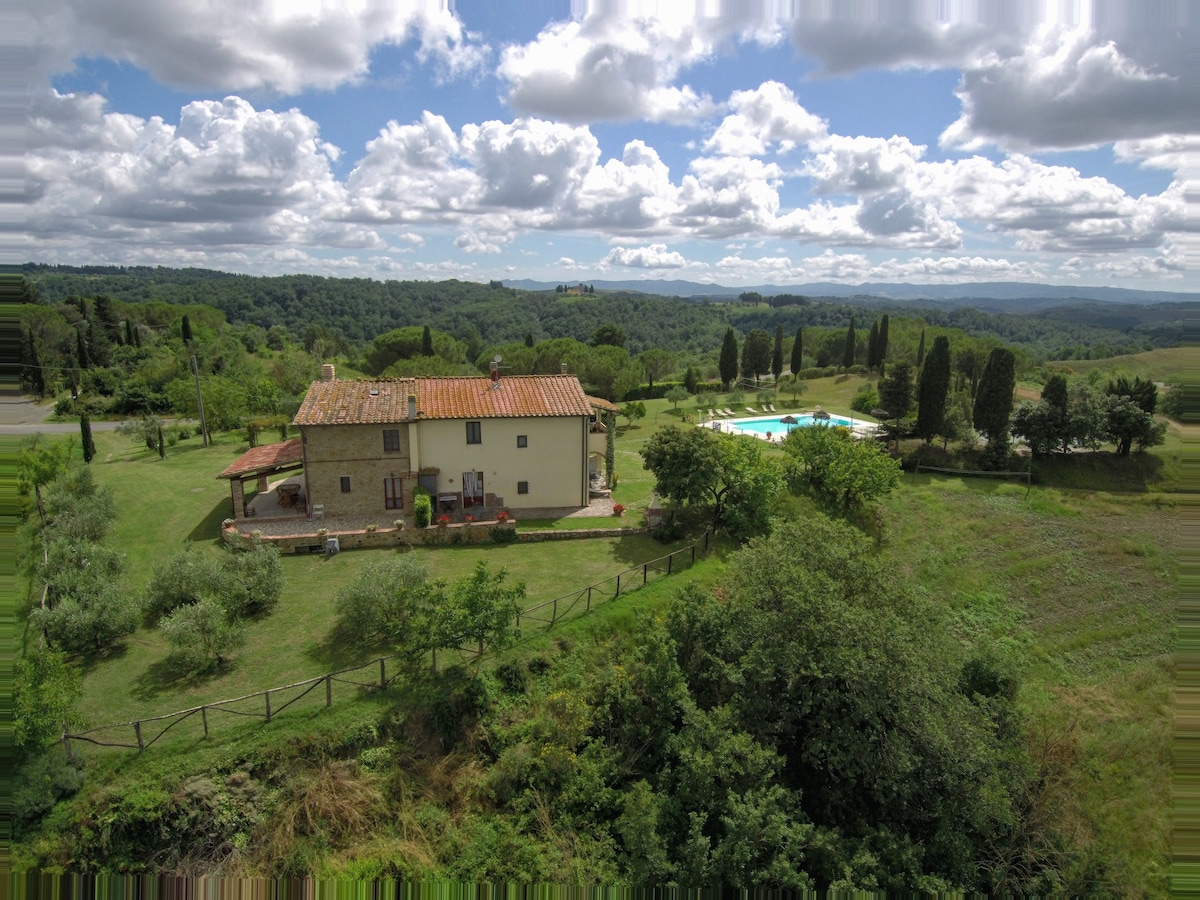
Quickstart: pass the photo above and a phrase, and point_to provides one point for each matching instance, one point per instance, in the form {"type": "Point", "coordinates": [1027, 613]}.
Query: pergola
{"type": "Point", "coordinates": [260, 464]}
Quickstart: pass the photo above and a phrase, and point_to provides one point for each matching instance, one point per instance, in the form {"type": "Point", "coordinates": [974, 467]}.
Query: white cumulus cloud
{"type": "Point", "coordinates": [275, 45]}
{"type": "Point", "coordinates": [655, 256]}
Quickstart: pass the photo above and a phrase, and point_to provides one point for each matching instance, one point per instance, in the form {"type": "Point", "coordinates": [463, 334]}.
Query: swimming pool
{"type": "Point", "coordinates": [775, 426]}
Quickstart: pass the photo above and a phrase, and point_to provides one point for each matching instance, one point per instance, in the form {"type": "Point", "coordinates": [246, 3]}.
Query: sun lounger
{"type": "Point", "coordinates": [712, 413]}
{"type": "Point", "coordinates": [752, 410]}
{"type": "Point", "coordinates": [769, 407]}
{"type": "Point", "coordinates": [728, 412]}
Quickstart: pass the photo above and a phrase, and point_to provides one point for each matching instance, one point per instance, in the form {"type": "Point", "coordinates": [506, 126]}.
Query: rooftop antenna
{"type": "Point", "coordinates": [495, 369]}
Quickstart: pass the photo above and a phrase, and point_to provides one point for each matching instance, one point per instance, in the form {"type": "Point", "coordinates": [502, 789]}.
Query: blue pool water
{"type": "Point", "coordinates": [773, 425]}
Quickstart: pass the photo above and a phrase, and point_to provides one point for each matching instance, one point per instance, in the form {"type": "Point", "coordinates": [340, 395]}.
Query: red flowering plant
{"type": "Point", "coordinates": [443, 520]}
{"type": "Point", "coordinates": [468, 517]}
{"type": "Point", "coordinates": [503, 516]}
{"type": "Point", "coordinates": [618, 509]}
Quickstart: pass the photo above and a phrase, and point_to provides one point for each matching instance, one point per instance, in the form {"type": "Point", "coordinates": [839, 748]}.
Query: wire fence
{"type": "Point", "coordinates": [268, 704]}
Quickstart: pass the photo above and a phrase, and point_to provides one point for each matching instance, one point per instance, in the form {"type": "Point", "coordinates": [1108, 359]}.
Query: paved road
{"type": "Point", "coordinates": [22, 415]}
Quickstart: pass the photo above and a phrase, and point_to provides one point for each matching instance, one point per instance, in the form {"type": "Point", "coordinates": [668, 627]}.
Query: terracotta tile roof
{"type": "Point", "coordinates": [471, 397]}
{"type": "Point", "coordinates": [601, 403]}
{"type": "Point", "coordinates": [266, 458]}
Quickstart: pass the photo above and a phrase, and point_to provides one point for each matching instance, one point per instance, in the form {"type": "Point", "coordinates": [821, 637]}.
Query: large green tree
{"type": "Point", "coordinates": [848, 351]}
{"type": "Point", "coordinates": [756, 354]}
{"type": "Point", "coordinates": [933, 389]}
{"type": "Point", "coordinates": [728, 362]}
{"type": "Point", "coordinates": [797, 362]}
{"type": "Point", "coordinates": [777, 354]}
{"type": "Point", "coordinates": [994, 396]}
{"type": "Point", "coordinates": [658, 364]}
{"type": "Point", "coordinates": [896, 390]}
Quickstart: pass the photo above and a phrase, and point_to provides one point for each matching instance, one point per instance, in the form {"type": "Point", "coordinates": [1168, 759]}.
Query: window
{"type": "Point", "coordinates": [345, 484]}
{"type": "Point", "coordinates": [474, 433]}
{"type": "Point", "coordinates": [391, 440]}
{"type": "Point", "coordinates": [522, 440]}
{"type": "Point", "coordinates": [393, 496]}
{"type": "Point", "coordinates": [522, 487]}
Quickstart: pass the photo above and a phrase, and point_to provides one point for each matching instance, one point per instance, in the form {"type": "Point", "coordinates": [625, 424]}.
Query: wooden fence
{"type": "Point", "coordinates": [143, 733]}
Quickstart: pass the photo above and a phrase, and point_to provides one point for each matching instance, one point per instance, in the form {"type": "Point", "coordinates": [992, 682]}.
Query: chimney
{"type": "Point", "coordinates": [494, 372]}
{"type": "Point", "coordinates": [563, 368]}
{"type": "Point", "coordinates": [412, 407]}
{"type": "Point", "coordinates": [327, 372]}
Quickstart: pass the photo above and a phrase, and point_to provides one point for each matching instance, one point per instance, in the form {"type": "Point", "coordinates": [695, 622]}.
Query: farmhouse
{"type": "Point", "coordinates": [475, 443]}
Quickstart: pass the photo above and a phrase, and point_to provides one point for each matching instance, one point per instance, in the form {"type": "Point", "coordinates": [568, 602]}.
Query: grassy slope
{"type": "Point", "coordinates": [1159, 365]}
{"type": "Point", "coordinates": [1078, 583]}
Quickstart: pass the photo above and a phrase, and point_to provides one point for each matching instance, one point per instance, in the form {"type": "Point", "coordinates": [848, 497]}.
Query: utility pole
{"type": "Point", "coordinates": [199, 401]}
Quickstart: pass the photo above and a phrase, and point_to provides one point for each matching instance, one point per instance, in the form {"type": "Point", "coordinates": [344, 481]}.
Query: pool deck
{"type": "Point", "coordinates": [862, 428]}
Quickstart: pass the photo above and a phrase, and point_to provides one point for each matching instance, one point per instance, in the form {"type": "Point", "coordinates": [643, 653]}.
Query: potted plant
{"type": "Point", "coordinates": [503, 516]}
{"type": "Point", "coordinates": [469, 518]}
{"type": "Point", "coordinates": [443, 520]}
{"type": "Point", "coordinates": [399, 524]}
{"type": "Point", "coordinates": [321, 532]}
{"type": "Point", "coordinates": [618, 509]}
{"type": "Point", "coordinates": [372, 527]}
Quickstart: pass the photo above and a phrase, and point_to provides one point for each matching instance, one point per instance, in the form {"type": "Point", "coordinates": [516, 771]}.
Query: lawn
{"type": "Point", "coordinates": [165, 505]}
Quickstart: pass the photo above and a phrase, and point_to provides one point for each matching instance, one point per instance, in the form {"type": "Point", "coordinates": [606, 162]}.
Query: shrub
{"type": "Point", "coordinates": [372, 527]}
{"type": "Point", "coordinates": [618, 509]}
{"type": "Point", "coordinates": [865, 400]}
{"type": "Point", "coordinates": [201, 635]}
{"type": "Point", "coordinates": [64, 407]}
{"type": "Point", "coordinates": [503, 536]}
{"type": "Point", "coordinates": [511, 678]}
{"type": "Point", "coordinates": [422, 509]}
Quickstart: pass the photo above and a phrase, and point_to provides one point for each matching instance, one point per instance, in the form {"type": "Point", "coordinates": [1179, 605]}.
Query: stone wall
{"type": "Point", "coordinates": [314, 542]}
{"type": "Point", "coordinates": [435, 535]}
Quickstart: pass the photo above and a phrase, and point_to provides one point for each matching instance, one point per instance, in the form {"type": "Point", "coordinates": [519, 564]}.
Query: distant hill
{"type": "Point", "coordinates": [968, 293]}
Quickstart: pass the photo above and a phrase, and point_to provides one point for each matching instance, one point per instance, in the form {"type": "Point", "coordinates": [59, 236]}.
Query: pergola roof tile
{"type": "Point", "coordinates": [265, 459]}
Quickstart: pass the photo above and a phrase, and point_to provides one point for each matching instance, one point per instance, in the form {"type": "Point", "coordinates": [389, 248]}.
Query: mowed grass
{"type": "Point", "coordinates": [1078, 588]}
{"type": "Point", "coordinates": [167, 505]}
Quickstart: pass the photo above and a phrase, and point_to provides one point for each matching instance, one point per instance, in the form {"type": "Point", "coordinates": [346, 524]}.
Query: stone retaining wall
{"type": "Point", "coordinates": [462, 533]}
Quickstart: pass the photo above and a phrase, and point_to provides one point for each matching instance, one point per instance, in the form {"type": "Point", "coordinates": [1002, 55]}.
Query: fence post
{"type": "Point", "coordinates": [204, 719]}
{"type": "Point", "coordinates": [267, 694]}
{"type": "Point", "coordinates": [693, 554]}
{"type": "Point", "coordinates": [137, 729]}
{"type": "Point", "coordinates": [618, 593]}
{"type": "Point", "coordinates": [328, 690]}
{"type": "Point", "coordinates": [589, 603]}
{"type": "Point", "coordinates": [670, 560]}
{"type": "Point", "coordinates": [554, 613]}
{"type": "Point", "coordinates": [382, 673]}
{"type": "Point", "coordinates": [645, 566]}
{"type": "Point", "coordinates": [706, 542]}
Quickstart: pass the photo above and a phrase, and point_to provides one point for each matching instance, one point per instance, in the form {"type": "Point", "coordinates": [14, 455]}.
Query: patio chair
{"type": "Point", "coordinates": [318, 511]}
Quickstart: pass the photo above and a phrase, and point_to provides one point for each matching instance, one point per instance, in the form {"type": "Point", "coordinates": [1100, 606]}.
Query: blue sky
{"type": "Point", "coordinates": [902, 141]}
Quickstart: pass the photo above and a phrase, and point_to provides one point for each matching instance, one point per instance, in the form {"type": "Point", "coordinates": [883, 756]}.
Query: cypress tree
{"type": "Point", "coordinates": [185, 329]}
{"type": "Point", "coordinates": [872, 345]}
{"type": "Point", "coordinates": [848, 353]}
{"type": "Point", "coordinates": [162, 445]}
{"type": "Point", "coordinates": [128, 333]}
{"type": "Point", "coordinates": [934, 386]}
{"type": "Point", "coordinates": [994, 396]}
{"type": "Point", "coordinates": [81, 350]}
{"type": "Point", "coordinates": [85, 431]}
{"type": "Point", "coordinates": [881, 343]}
{"type": "Point", "coordinates": [427, 342]}
{"type": "Point", "coordinates": [777, 355]}
{"type": "Point", "coordinates": [921, 349]}
{"type": "Point", "coordinates": [33, 366]}
{"type": "Point", "coordinates": [690, 380]}
{"type": "Point", "coordinates": [895, 391]}
{"type": "Point", "coordinates": [728, 363]}
{"type": "Point", "coordinates": [529, 339]}
{"type": "Point", "coordinates": [798, 351]}
{"type": "Point", "coordinates": [137, 337]}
